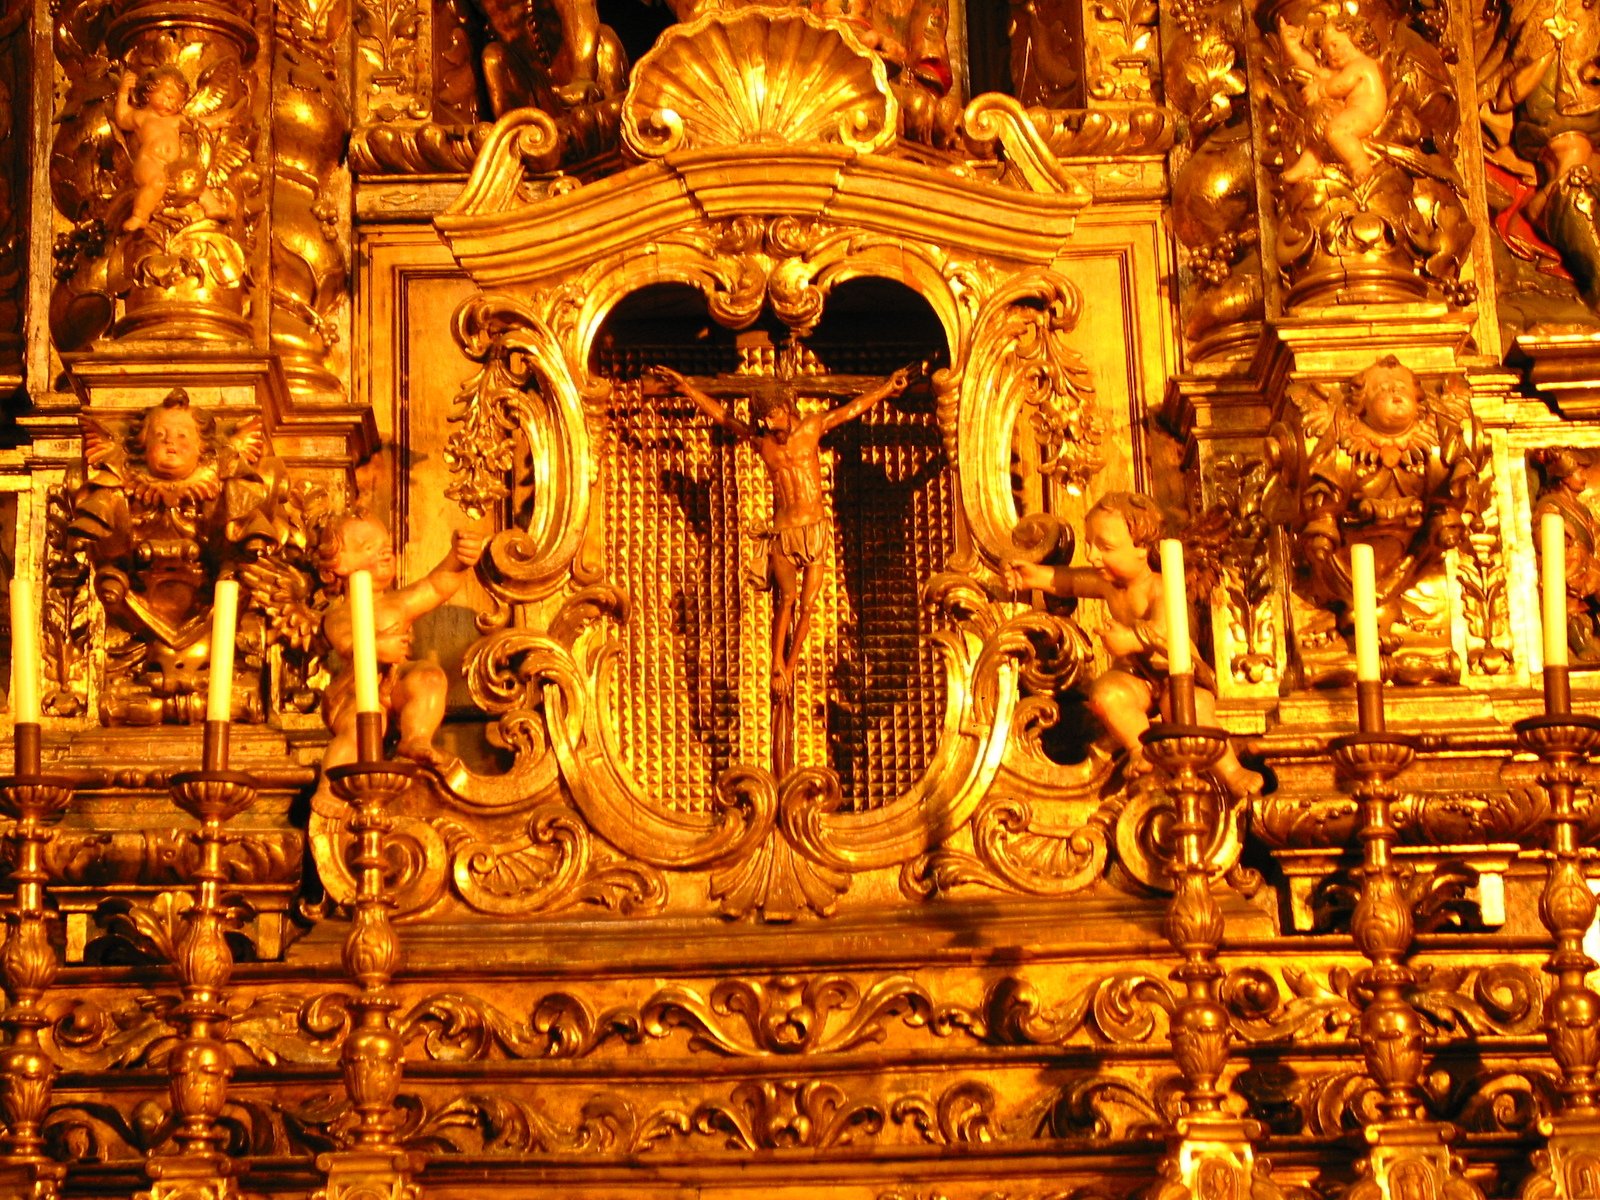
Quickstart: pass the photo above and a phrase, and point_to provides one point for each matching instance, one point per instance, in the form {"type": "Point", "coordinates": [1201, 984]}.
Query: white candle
{"type": "Point", "coordinates": [364, 642]}
{"type": "Point", "coordinates": [1553, 564]}
{"type": "Point", "coordinates": [24, 654]}
{"type": "Point", "coordinates": [1364, 584]}
{"type": "Point", "coordinates": [1180, 660]}
{"type": "Point", "coordinates": [224, 629]}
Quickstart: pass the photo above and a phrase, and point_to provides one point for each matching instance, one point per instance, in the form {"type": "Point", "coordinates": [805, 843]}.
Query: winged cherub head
{"type": "Point", "coordinates": [174, 438]}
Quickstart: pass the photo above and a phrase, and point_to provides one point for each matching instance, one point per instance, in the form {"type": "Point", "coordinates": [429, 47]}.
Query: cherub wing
{"type": "Point", "coordinates": [100, 445]}
{"type": "Point", "coordinates": [1318, 407]}
{"type": "Point", "coordinates": [207, 100]}
{"type": "Point", "coordinates": [249, 441]}
{"type": "Point", "coordinates": [1454, 400]}
{"type": "Point", "coordinates": [227, 156]}
{"type": "Point", "coordinates": [283, 593]}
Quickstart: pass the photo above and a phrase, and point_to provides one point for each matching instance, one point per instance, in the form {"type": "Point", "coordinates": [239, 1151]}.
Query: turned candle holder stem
{"type": "Point", "coordinates": [1201, 1032]}
{"type": "Point", "coordinates": [371, 1056]}
{"type": "Point", "coordinates": [35, 803]}
{"type": "Point", "coordinates": [1383, 927]}
{"type": "Point", "coordinates": [1567, 908]}
{"type": "Point", "coordinates": [200, 1067]}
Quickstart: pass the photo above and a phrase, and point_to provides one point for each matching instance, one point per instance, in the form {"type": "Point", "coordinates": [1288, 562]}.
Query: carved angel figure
{"type": "Point", "coordinates": [1386, 464]}
{"type": "Point", "coordinates": [552, 54]}
{"type": "Point", "coordinates": [1344, 89]}
{"type": "Point", "coordinates": [1542, 117]}
{"type": "Point", "coordinates": [161, 517]}
{"type": "Point", "coordinates": [177, 142]}
{"type": "Point", "coordinates": [1121, 535]}
{"type": "Point", "coordinates": [1567, 479]}
{"type": "Point", "coordinates": [414, 692]}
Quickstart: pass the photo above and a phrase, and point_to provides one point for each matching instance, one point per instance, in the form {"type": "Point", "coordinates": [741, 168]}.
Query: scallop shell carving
{"type": "Point", "coordinates": [772, 75]}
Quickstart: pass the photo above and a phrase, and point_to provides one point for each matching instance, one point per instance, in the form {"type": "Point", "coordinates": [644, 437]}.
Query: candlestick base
{"type": "Point", "coordinates": [1172, 745]}
{"type": "Point", "coordinates": [190, 1177]}
{"type": "Point", "coordinates": [1569, 1163]}
{"type": "Point", "coordinates": [356, 781]}
{"type": "Point", "coordinates": [367, 1175]}
{"type": "Point", "coordinates": [1214, 1156]}
{"type": "Point", "coordinates": [39, 1180]}
{"type": "Point", "coordinates": [1411, 1158]}
{"type": "Point", "coordinates": [213, 795]}
{"type": "Point", "coordinates": [1559, 735]}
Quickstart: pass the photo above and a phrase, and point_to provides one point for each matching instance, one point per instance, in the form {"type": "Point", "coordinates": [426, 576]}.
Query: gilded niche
{"type": "Point", "coordinates": [166, 508]}
{"type": "Point", "coordinates": [1566, 485]}
{"type": "Point", "coordinates": [1396, 462]}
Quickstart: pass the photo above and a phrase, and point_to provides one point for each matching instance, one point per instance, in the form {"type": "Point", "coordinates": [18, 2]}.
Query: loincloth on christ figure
{"type": "Point", "coordinates": [802, 545]}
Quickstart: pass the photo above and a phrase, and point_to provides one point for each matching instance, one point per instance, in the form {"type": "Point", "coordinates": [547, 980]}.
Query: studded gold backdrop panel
{"type": "Point", "coordinates": [672, 517]}
{"type": "Point", "coordinates": [682, 502]}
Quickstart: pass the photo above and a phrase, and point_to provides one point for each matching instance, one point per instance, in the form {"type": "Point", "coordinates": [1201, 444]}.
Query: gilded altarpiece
{"type": "Point", "coordinates": [743, 389]}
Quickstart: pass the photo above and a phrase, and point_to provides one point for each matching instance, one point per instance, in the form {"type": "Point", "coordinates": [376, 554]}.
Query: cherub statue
{"type": "Point", "coordinates": [175, 144]}
{"type": "Point", "coordinates": [1121, 535]}
{"type": "Point", "coordinates": [412, 691]}
{"type": "Point", "coordinates": [1383, 464]}
{"type": "Point", "coordinates": [1566, 478]}
{"type": "Point", "coordinates": [161, 517]}
{"type": "Point", "coordinates": [155, 119]}
{"type": "Point", "coordinates": [800, 533]}
{"type": "Point", "coordinates": [1345, 92]}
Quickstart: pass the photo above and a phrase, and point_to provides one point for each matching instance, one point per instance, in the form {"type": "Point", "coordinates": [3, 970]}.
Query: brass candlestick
{"type": "Point", "coordinates": [374, 1165]}
{"type": "Point", "coordinates": [1210, 1142]}
{"type": "Point", "coordinates": [35, 802]}
{"type": "Point", "coordinates": [1572, 1010]}
{"type": "Point", "coordinates": [1403, 1144]}
{"type": "Point", "coordinates": [200, 1066]}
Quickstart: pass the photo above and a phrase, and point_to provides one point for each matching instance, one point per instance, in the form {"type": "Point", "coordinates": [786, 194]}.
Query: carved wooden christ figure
{"type": "Point", "coordinates": [797, 539]}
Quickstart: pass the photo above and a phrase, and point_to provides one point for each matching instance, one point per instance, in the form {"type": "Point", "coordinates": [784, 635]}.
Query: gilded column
{"type": "Point", "coordinates": [156, 165]}
{"type": "Point", "coordinates": [15, 120]}
{"type": "Point", "coordinates": [310, 124]}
